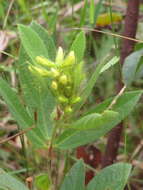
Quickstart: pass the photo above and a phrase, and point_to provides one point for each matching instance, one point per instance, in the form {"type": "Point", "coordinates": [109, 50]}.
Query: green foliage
{"type": "Point", "coordinates": [22, 4]}
{"type": "Point", "coordinates": [95, 120]}
{"type": "Point", "coordinates": [111, 63]}
{"type": "Point", "coordinates": [32, 43]}
{"type": "Point", "coordinates": [92, 12]}
{"type": "Point", "coordinates": [48, 40]}
{"type": "Point", "coordinates": [74, 180]}
{"type": "Point", "coordinates": [83, 13]}
{"type": "Point", "coordinates": [51, 97]}
{"type": "Point", "coordinates": [91, 82]}
{"type": "Point", "coordinates": [79, 75]}
{"type": "Point", "coordinates": [7, 182]}
{"type": "Point", "coordinates": [19, 113]}
{"type": "Point", "coordinates": [131, 66]}
{"type": "Point", "coordinates": [72, 138]}
{"type": "Point", "coordinates": [2, 10]}
{"type": "Point", "coordinates": [97, 11]}
{"type": "Point", "coordinates": [42, 182]}
{"type": "Point", "coordinates": [78, 46]}
{"type": "Point", "coordinates": [36, 95]}
{"type": "Point", "coordinates": [111, 178]}
{"type": "Point", "coordinates": [53, 21]}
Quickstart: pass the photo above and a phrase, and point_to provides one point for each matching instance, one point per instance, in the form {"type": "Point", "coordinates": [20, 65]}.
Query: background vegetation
{"type": "Point", "coordinates": [103, 23]}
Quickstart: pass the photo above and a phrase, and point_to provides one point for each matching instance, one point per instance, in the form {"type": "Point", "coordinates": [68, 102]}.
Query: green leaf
{"type": "Point", "coordinates": [96, 120]}
{"type": "Point", "coordinates": [130, 67]}
{"type": "Point", "coordinates": [89, 86]}
{"type": "Point", "coordinates": [100, 69]}
{"type": "Point", "coordinates": [53, 21]}
{"type": "Point", "coordinates": [37, 96]}
{"type": "Point", "coordinates": [92, 12]}
{"type": "Point", "coordinates": [78, 46]}
{"type": "Point", "coordinates": [78, 76]}
{"type": "Point", "coordinates": [111, 63]}
{"type": "Point", "coordinates": [113, 177]}
{"type": "Point", "coordinates": [124, 104]}
{"type": "Point", "coordinates": [19, 113]}
{"type": "Point", "coordinates": [27, 80]}
{"type": "Point", "coordinates": [8, 182]}
{"type": "Point", "coordinates": [46, 107]}
{"type": "Point", "coordinates": [42, 182]}
{"type": "Point", "coordinates": [46, 38]}
{"type": "Point", "coordinates": [83, 13]}
{"type": "Point", "coordinates": [74, 180]}
{"type": "Point", "coordinates": [32, 43]}
{"type": "Point", "coordinates": [72, 138]}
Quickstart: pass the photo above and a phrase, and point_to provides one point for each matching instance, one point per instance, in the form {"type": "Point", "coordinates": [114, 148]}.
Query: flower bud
{"type": "Point", "coordinates": [68, 90]}
{"type": "Point", "coordinates": [45, 62]}
{"type": "Point", "coordinates": [37, 70]}
{"type": "Point", "coordinates": [63, 99]}
{"type": "Point", "coordinates": [54, 73]}
{"type": "Point", "coordinates": [75, 100]}
{"type": "Point", "coordinates": [63, 79]}
{"type": "Point", "coordinates": [54, 85]}
{"type": "Point", "coordinates": [70, 60]}
{"type": "Point", "coordinates": [60, 56]}
{"type": "Point", "coordinates": [68, 109]}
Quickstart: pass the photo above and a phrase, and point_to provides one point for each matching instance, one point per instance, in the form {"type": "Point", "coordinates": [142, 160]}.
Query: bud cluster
{"type": "Point", "coordinates": [62, 74]}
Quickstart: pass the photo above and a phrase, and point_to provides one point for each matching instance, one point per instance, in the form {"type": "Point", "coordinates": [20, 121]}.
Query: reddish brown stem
{"type": "Point", "coordinates": [131, 22]}
{"type": "Point", "coordinates": [127, 47]}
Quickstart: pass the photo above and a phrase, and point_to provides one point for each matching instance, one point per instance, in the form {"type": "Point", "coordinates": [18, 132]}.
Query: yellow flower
{"type": "Point", "coordinates": [68, 109]}
{"type": "Point", "coordinates": [63, 99]}
{"type": "Point", "coordinates": [44, 61]}
{"type": "Point", "coordinates": [70, 60]}
{"type": "Point", "coordinates": [105, 19]}
{"type": "Point", "coordinates": [63, 79]}
{"type": "Point", "coordinates": [54, 85]}
{"type": "Point", "coordinates": [54, 73]}
{"type": "Point", "coordinates": [60, 56]}
{"type": "Point", "coordinates": [37, 70]}
{"type": "Point", "coordinates": [75, 100]}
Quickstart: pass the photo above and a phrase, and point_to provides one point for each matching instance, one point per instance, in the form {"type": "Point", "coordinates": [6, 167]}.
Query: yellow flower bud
{"type": "Point", "coordinates": [54, 73]}
{"type": "Point", "coordinates": [60, 56]}
{"type": "Point", "coordinates": [70, 60]}
{"type": "Point", "coordinates": [75, 100]}
{"type": "Point", "coordinates": [68, 109]}
{"type": "Point", "coordinates": [37, 70]}
{"type": "Point", "coordinates": [54, 85]}
{"type": "Point", "coordinates": [63, 99]}
{"type": "Point", "coordinates": [63, 79]}
{"type": "Point", "coordinates": [45, 62]}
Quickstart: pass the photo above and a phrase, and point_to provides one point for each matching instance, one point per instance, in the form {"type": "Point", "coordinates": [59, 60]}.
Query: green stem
{"type": "Point", "coordinates": [53, 137]}
{"type": "Point", "coordinates": [57, 125]}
